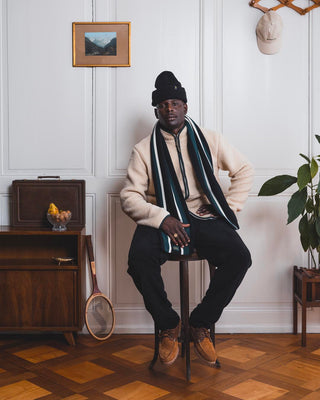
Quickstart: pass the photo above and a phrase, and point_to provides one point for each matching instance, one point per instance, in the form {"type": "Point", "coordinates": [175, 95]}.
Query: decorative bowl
{"type": "Point", "coordinates": [60, 220]}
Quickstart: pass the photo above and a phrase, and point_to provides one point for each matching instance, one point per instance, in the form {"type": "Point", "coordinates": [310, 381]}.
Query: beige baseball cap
{"type": "Point", "coordinates": [269, 32]}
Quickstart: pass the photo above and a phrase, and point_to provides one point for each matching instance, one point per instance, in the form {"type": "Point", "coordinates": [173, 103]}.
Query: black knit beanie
{"type": "Point", "coordinates": [167, 87]}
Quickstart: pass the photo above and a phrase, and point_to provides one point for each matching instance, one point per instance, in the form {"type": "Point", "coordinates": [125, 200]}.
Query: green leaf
{"type": "Point", "coordinates": [309, 205]}
{"type": "Point", "coordinates": [305, 157]}
{"type": "Point", "coordinates": [313, 236]}
{"type": "Point", "coordinates": [296, 204]}
{"type": "Point", "coordinates": [317, 225]}
{"type": "Point", "coordinates": [277, 185]}
{"type": "Point", "coordinates": [318, 138]}
{"type": "Point", "coordinates": [313, 168]}
{"type": "Point", "coordinates": [304, 176]}
{"type": "Point", "coordinates": [304, 232]}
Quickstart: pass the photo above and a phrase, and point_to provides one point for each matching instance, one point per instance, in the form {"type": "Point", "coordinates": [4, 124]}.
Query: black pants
{"type": "Point", "coordinates": [216, 241]}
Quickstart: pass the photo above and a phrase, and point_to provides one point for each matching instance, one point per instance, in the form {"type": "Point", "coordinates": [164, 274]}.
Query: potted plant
{"type": "Point", "coordinates": [304, 203]}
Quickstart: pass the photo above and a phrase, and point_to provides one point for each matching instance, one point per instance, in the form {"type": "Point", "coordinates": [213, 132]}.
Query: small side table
{"type": "Point", "coordinates": [306, 291]}
{"type": "Point", "coordinates": [36, 292]}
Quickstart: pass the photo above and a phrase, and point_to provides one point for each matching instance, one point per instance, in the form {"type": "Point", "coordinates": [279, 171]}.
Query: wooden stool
{"type": "Point", "coordinates": [184, 307]}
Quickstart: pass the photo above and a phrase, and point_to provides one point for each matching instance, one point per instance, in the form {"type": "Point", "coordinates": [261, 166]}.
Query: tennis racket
{"type": "Point", "coordinates": [99, 313]}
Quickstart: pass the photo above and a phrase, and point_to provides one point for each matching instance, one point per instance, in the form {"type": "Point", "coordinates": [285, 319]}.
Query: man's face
{"type": "Point", "coordinates": [171, 114]}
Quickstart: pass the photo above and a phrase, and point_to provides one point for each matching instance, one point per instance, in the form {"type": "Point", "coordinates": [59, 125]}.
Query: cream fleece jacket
{"type": "Point", "coordinates": [138, 199]}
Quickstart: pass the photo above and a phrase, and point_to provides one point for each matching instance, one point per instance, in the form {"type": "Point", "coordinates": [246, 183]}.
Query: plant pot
{"type": "Point", "coordinates": [311, 277]}
{"type": "Point", "coordinates": [306, 291]}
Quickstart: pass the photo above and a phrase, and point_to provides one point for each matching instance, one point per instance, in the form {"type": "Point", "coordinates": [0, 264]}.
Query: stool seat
{"type": "Point", "coordinates": [180, 257]}
{"type": "Point", "coordinates": [184, 310]}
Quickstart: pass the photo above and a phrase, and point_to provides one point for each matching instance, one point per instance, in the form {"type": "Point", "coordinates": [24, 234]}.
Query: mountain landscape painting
{"type": "Point", "coordinates": [100, 43]}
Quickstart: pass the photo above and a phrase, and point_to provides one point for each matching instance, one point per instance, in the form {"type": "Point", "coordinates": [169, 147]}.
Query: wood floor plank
{"type": "Point", "coordinates": [316, 352]}
{"type": "Point", "coordinates": [254, 367]}
{"type": "Point", "coordinates": [312, 396]}
{"type": "Point", "coordinates": [255, 390]}
{"type": "Point", "coordinates": [22, 390]}
{"type": "Point", "coordinates": [240, 353]}
{"type": "Point", "coordinates": [137, 354]}
{"type": "Point", "coordinates": [137, 390]}
{"type": "Point", "coordinates": [39, 353]}
{"type": "Point", "coordinates": [83, 372]}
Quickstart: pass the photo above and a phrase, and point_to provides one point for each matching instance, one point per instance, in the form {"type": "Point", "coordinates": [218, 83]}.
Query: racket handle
{"type": "Point", "coordinates": [89, 248]}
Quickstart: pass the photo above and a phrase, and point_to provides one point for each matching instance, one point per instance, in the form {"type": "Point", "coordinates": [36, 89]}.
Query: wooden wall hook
{"type": "Point", "coordinates": [285, 3]}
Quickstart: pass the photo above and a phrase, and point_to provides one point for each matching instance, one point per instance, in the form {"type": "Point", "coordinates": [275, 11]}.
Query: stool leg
{"type": "Point", "coordinates": [156, 346]}
{"type": "Point", "coordinates": [212, 270]}
{"type": "Point", "coordinates": [182, 307]}
{"type": "Point", "coordinates": [184, 303]}
{"type": "Point", "coordinates": [213, 333]}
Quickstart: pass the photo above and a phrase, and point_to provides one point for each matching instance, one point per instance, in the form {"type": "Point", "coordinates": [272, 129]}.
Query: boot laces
{"type": "Point", "coordinates": [202, 333]}
{"type": "Point", "coordinates": [167, 333]}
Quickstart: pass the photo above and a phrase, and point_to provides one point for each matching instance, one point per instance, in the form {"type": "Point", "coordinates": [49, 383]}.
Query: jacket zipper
{"type": "Point", "coordinates": [183, 172]}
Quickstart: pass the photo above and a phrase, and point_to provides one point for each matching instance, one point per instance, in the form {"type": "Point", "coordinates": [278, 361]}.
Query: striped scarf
{"type": "Point", "coordinates": [167, 188]}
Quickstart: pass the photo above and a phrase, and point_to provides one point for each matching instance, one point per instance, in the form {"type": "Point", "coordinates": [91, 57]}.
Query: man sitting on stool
{"type": "Point", "coordinates": [171, 191]}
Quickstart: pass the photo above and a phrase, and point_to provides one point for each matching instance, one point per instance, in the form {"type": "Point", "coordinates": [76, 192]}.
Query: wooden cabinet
{"type": "Point", "coordinates": [36, 293]}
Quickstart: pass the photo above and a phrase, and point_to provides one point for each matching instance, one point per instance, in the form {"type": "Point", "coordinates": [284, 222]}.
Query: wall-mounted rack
{"type": "Point", "coordinates": [286, 3]}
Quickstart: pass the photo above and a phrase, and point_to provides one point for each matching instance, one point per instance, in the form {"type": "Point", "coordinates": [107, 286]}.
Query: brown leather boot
{"type": "Point", "coordinates": [168, 346]}
{"type": "Point", "coordinates": [203, 345]}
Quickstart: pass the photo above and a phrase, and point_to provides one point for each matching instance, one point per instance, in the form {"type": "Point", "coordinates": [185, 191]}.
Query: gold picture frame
{"type": "Point", "coordinates": [101, 44]}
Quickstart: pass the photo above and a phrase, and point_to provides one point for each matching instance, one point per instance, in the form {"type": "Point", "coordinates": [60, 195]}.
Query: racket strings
{"type": "Point", "coordinates": [99, 317]}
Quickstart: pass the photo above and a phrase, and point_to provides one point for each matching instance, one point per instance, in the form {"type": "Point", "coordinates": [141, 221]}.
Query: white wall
{"type": "Point", "coordinates": [266, 105]}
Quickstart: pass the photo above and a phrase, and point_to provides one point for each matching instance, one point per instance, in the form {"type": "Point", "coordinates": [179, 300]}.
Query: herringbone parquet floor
{"type": "Point", "coordinates": [254, 367]}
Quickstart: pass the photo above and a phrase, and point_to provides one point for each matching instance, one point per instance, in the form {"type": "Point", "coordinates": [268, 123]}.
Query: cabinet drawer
{"type": "Point", "coordinates": [39, 299]}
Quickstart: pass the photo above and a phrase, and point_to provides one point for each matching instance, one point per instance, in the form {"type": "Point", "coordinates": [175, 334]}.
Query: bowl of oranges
{"type": "Point", "coordinates": [58, 218]}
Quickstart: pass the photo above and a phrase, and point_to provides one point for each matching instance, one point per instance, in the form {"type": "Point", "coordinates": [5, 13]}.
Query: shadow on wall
{"type": "Point", "coordinates": [275, 248]}
{"type": "Point", "coordinates": [271, 238]}
{"type": "Point", "coordinates": [142, 127]}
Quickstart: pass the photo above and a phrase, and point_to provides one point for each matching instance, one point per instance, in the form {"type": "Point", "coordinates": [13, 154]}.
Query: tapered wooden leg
{"type": "Point", "coordinates": [212, 270]}
{"type": "Point", "coordinates": [156, 347]}
{"type": "Point", "coordinates": [182, 309]}
{"type": "Point", "coordinates": [213, 333]}
{"type": "Point", "coordinates": [304, 326]}
{"type": "Point", "coordinates": [70, 338]}
{"type": "Point", "coordinates": [304, 314]}
{"type": "Point", "coordinates": [295, 316]}
{"type": "Point", "coordinates": [184, 301]}
{"type": "Point", "coordinates": [295, 304]}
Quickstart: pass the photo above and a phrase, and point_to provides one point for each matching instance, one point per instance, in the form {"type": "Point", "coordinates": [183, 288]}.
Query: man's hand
{"type": "Point", "coordinates": [175, 230]}
{"type": "Point", "coordinates": [205, 210]}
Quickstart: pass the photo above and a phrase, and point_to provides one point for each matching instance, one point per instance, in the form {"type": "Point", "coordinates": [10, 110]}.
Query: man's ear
{"type": "Point", "coordinates": [156, 113]}
{"type": "Point", "coordinates": [185, 108]}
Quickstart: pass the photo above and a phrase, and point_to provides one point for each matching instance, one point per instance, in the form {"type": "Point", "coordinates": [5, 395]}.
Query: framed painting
{"type": "Point", "coordinates": [101, 44]}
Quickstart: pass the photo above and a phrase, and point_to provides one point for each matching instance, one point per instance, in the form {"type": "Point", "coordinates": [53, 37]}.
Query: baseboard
{"type": "Point", "coordinates": [238, 318]}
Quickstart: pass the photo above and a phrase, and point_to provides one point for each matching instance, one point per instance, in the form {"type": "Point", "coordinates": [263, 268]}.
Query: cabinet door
{"type": "Point", "coordinates": [15, 299]}
{"type": "Point", "coordinates": [38, 299]}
